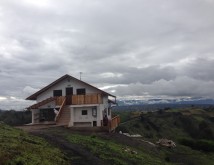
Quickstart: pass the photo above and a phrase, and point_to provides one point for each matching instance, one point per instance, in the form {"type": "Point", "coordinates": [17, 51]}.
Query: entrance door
{"type": "Point", "coordinates": [69, 93]}
{"type": "Point", "coordinates": [94, 123]}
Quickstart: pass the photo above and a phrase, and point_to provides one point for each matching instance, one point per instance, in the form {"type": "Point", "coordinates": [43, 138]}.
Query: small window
{"type": "Point", "coordinates": [81, 91]}
{"type": "Point", "coordinates": [57, 93]}
{"type": "Point", "coordinates": [84, 112]}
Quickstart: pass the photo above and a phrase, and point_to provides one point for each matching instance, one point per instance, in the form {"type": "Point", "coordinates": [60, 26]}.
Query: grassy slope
{"type": "Point", "coordinates": [189, 128]}
{"type": "Point", "coordinates": [17, 147]}
{"type": "Point", "coordinates": [114, 149]}
{"type": "Point", "coordinates": [114, 152]}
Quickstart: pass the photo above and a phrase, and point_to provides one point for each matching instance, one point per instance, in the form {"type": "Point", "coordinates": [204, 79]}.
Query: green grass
{"type": "Point", "coordinates": [19, 148]}
{"type": "Point", "coordinates": [114, 153]}
{"type": "Point", "coordinates": [193, 134]}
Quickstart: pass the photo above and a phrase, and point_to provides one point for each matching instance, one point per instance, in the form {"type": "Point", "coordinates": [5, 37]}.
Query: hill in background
{"type": "Point", "coordinates": [191, 128]}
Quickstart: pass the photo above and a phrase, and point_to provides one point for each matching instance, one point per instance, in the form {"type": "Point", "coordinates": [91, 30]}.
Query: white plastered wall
{"type": "Point", "coordinates": [63, 85]}
{"type": "Point", "coordinates": [77, 117]}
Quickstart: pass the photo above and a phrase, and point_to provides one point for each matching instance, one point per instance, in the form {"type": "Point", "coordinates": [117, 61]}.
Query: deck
{"type": "Point", "coordinates": [71, 100]}
{"type": "Point", "coordinates": [80, 99]}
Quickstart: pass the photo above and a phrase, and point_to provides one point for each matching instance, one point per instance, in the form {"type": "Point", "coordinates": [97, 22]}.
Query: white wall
{"type": "Point", "coordinates": [62, 85]}
{"type": "Point", "coordinates": [48, 105]}
{"type": "Point", "coordinates": [78, 117]}
{"type": "Point", "coordinates": [105, 106]}
{"type": "Point", "coordinates": [76, 112]}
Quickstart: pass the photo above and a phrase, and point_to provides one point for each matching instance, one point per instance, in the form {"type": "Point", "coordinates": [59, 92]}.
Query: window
{"type": "Point", "coordinates": [84, 112]}
{"type": "Point", "coordinates": [57, 93]}
{"type": "Point", "coordinates": [46, 114]}
{"type": "Point", "coordinates": [94, 111]}
{"type": "Point", "coordinates": [81, 91]}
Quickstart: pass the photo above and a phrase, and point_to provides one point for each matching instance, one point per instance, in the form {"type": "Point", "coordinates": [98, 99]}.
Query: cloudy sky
{"type": "Point", "coordinates": [131, 48]}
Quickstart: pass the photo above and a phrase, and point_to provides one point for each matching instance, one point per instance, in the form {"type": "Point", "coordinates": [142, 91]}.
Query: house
{"type": "Point", "coordinates": [73, 103]}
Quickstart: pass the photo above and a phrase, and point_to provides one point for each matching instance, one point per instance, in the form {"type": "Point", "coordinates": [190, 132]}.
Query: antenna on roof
{"type": "Point", "coordinates": [80, 75]}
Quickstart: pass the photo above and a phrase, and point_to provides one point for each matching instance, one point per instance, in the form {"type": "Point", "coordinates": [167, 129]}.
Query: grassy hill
{"type": "Point", "coordinates": [19, 148]}
{"type": "Point", "coordinates": [191, 128]}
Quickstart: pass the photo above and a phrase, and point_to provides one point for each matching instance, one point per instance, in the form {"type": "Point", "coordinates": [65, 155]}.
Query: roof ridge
{"type": "Point", "coordinates": [33, 96]}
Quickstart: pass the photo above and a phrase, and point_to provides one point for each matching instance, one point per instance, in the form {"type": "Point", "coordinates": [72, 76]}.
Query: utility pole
{"type": "Point", "coordinates": [80, 75]}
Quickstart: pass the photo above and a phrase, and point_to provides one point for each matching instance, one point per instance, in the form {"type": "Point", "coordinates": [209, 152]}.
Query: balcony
{"type": "Point", "coordinates": [70, 100]}
{"type": "Point", "coordinates": [80, 99]}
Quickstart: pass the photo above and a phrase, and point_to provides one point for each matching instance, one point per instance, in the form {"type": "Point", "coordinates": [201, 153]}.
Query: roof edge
{"type": "Point", "coordinates": [34, 96]}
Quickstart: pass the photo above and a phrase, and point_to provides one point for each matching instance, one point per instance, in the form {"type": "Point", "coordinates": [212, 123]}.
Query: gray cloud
{"type": "Point", "coordinates": [140, 47]}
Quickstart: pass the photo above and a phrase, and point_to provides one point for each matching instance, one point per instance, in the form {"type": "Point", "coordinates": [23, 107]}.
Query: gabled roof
{"type": "Point", "coordinates": [34, 96]}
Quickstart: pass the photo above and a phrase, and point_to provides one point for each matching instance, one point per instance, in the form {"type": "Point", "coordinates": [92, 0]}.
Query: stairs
{"type": "Point", "coordinates": [64, 117]}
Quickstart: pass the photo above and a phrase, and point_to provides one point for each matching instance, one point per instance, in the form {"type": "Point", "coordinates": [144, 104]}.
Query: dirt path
{"type": "Point", "coordinates": [76, 154]}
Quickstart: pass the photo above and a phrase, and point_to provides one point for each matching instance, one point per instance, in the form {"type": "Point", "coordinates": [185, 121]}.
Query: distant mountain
{"type": "Point", "coordinates": [195, 101]}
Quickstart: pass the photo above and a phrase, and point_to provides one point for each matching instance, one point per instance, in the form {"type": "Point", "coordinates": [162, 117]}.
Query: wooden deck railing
{"type": "Point", "coordinates": [113, 123]}
{"type": "Point", "coordinates": [74, 100]}
{"type": "Point", "coordinates": [86, 99]}
{"type": "Point", "coordinates": [80, 99]}
{"type": "Point", "coordinates": [60, 109]}
{"type": "Point", "coordinates": [59, 100]}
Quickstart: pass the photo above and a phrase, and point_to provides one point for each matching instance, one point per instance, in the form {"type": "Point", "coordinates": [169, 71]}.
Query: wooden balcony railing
{"type": "Point", "coordinates": [80, 99]}
{"type": "Point", "coordinates": [113, 123]}
{"type": "Point", "coordinates": [86, 99]}
{"type": "Point", "coordinates": [59, 100]}
{"type": "Point", "coordinates": [71, 100]}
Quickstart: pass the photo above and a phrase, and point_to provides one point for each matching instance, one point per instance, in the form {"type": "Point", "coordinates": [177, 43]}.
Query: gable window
{"type": "Point", "coordinates": [57, 93]}
{"type": "Point", "coordinates": [84, 112]}
{"type": "Point", "coordinates": [81, 91]}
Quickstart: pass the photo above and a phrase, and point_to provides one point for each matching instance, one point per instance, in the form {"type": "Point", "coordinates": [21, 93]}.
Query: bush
{"type": "Point", "coordinates": [204, 145]}
{"type": "Point", "coordinates": [190, 126]}
{"type": "Point", "coordinates": [136, 125]}
{"type": "Point", "coordinates": [205, 131]}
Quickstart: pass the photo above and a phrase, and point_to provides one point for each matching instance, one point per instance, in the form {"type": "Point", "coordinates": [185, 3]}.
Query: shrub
{"type": "Point", "coordinates": [204, 145]}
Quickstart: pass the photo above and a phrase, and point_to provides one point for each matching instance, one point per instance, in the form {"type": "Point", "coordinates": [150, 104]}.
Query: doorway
{"type": "Point", "coordinates": [69, 93]}
{"type": "Point", "coordinates": [94, 123]}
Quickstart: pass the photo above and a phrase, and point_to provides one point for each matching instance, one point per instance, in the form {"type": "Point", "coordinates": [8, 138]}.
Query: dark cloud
{"type": "Point", "coordinates": [142, 48]}
{"type": "Point", "coordinates": [200, 68]}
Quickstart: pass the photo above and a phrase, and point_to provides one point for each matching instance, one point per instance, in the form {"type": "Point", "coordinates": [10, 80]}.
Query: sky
{"type": "Point", "coordinates": [131, 48]}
